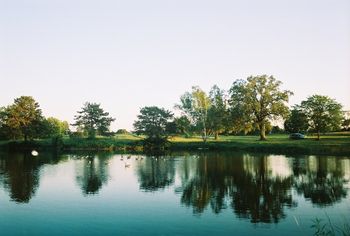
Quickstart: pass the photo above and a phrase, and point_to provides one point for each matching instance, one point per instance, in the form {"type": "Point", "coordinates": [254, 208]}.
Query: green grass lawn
{"type": "Point", "coordinates": [331, 143]}
{"type": "Point", "coordinates": [335, 138]}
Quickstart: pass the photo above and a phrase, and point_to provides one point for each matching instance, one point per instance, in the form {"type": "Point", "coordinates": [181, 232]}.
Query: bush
{"type": "Point", "coordinates": [77, 134]}
{"type": "Point", "coordinates": [122, 131]}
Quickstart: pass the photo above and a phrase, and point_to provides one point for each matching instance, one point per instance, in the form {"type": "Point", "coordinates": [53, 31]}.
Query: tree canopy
{"type": "Point", "coordinates": [195, 106]}
{"type": "Point", "coordinates": [153, 122]}
{"type": "Point", "coordinates": [323, 113]}
{"type": "Point", "coordinates": [21, 119]}
{"type": "Point", "coordinates": [260, 99]}
{"type": "Point", "coordinates": [217, 113]}
{"type": "Point", "coordinates": [93, 119]}
{"type": "Point", "coordinates": [53, 127]}
{"type": "Point", "coordinates": [296, 122]}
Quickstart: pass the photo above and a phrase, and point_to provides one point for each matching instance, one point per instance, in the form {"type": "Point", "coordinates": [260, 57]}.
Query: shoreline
{"type": "Point", "coordinates": [280, 145]}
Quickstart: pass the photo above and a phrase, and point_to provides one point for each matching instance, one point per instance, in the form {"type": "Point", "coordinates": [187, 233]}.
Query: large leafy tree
{"type": "Point", "coordinates": [53, 127]}
{"type": "Point", "coordinates": [93, 119]}
{"type": "Point", "coordinates": [153, 122]}
{"type": "Point", "coordinates": [237, 119]}
{"type": "Point", "coordinates": [22, 119]}
{"type": "Point", "coordinates": [217, 113]}
{"type": "Point", "coordinates": [323, 113]}
{"type": "Point", "coordinates": [195, 106]}
{"type": "Point", "coordinates": [260, 99]}
{"type": "Point", "coordinates": [296, 122]}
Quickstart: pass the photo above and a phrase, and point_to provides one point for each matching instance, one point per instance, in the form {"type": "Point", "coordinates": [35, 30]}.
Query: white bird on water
{"type": "Point", "coordinates": [35, 153]}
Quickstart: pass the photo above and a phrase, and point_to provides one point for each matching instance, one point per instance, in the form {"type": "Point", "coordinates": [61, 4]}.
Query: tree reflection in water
{"type": "Point", "coordinates": [323, 180]}
{"type": "Point", "coordinates": [263, 191]}
{"type": "Point", "coordinates": [92, 172]}
{"type": "Point", "coordinates": [155, 173]}
{"type": "Point", "coordinates": [19, 173]}
{"type": "Point", "coordinates": [259, 187]}
{"type": "Point", "coordinates": [243, 182]}
{"type": "Point", "coordinates": [255, 187]}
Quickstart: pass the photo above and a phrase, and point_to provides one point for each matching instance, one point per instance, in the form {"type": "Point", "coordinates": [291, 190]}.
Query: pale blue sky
{"type": "Point", "coordinates": [129, 54]}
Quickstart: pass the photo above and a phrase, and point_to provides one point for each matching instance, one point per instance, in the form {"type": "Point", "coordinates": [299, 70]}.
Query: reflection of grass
{"type": "Point", "coordinates": [333, 143]}
{"type": "Point", "coordinates": [323, 227]}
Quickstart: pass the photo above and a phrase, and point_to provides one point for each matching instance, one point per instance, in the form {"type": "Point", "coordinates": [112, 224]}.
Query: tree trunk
{"type": "Point", "coordinates": [204, 134]}
{"type": "Point", "coordinates": [216, 135]}
{"type": "Point", "coordinates": [318, 135]}
{"type": "Point", "coordinates": [204, 131]}
{"type": "Point", "coordinates": [262, 131]}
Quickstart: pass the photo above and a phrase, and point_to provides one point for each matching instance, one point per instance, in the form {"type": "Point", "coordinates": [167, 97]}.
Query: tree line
{"type": "Point", "coordinates": [249, 106]}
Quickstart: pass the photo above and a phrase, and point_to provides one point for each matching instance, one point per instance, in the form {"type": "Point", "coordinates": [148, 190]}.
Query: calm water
{"type": "Point", "coordinates": [181, 194]}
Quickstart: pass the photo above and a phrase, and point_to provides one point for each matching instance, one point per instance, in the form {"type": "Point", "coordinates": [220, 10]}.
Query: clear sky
{"type": "Point", "coordinates": [129, 54]}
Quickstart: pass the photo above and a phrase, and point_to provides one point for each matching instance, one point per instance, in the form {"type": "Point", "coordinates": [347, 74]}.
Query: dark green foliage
{"type": "Point", "coordinates": [152, 122]}
{"type": "Point", "coordinates": [323, 113]}
{"type": "Point", "coordinates": [171, 128]}
{"type": "Point", "coordinates": [183, 125]}
{"type": "Point", "coordinates": [238, 120]}
{"type": "Point", "coordinates": [22, 119]}
{"type": "Point", "coordinates": [217, 113]}
{"type": "Point", "coordinates": [93, 119]}
{"type": "Point", "coordinates": [3, 126]}
{"type": "Point", "coordinates": [277, 130]}
{"type": "Point", "coordinates": [53, 127]}
{"type": "Point", "coordinates": [296, 122]}
{"type": "Point", "coordinates": [346, 125]}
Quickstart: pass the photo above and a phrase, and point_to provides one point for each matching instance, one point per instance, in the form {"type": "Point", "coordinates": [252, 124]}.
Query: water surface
{"type": "Point", "coordinates": [180, 194]}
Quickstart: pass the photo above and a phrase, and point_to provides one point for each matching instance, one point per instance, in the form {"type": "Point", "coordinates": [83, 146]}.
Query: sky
{"type": "Point", "coordinates": [134, 53]}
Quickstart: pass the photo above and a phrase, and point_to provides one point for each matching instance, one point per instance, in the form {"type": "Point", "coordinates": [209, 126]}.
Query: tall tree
{"type": "Point", "coordinates": [93, 119]}
{"type": "Point", "coordinates": [296, 122]}
{"type": "Point", "coordinates": [153, 122]}
{"type": "Point", "coordinates": [195, 106]}
{"type": "Point", "coordinates": [238, 120]}
{"type": "Point", "coordinates": [217, 112]}
{"type": "Point", "coordinates": [260, 99]}
{"type": "Point", "coordinates": [323, 113]}
{"type": "Point", "coordinates": [22, 119]}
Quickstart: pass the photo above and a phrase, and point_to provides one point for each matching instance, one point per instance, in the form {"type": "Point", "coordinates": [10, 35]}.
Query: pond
{"type": "Point", "coordinates": [200, 193]}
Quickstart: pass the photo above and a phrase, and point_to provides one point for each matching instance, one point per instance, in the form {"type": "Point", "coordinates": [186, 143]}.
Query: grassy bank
{"type": "Point", "coordinates": [330, 144]}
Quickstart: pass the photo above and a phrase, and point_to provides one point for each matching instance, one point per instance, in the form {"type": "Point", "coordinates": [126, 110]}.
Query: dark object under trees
{"type": "Point", "coordinates": [296, 136]}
